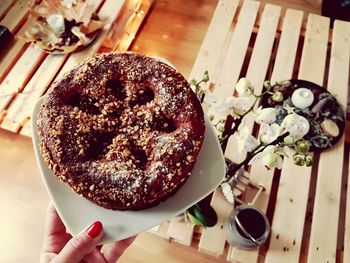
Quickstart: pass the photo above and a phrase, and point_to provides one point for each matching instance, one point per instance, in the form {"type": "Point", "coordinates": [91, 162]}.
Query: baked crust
{"type": "Point", "coordinates": [121, 129]}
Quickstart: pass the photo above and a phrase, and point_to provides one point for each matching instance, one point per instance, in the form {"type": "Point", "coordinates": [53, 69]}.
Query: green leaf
{"type": "Point", "coordinates": [194, 220]}
{"type": "Point", "coordinates": [202, 214]}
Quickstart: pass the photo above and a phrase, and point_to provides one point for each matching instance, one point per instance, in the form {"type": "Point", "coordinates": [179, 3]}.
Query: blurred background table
{"type": "Point", "coordinates": [170, 29]}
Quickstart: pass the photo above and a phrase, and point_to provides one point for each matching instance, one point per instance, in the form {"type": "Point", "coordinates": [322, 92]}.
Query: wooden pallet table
{"type": "Point", "coordinates": [26, 72]}
{"type": "Point", "coordinates": [309, 208]}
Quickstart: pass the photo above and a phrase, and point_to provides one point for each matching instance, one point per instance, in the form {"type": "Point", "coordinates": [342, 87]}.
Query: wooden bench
{"type": "Point", "coordinates": [307, 207]}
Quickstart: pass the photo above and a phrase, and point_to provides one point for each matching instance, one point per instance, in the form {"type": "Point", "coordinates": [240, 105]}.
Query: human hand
{"type": "Point", "coordinates": [61, 247]}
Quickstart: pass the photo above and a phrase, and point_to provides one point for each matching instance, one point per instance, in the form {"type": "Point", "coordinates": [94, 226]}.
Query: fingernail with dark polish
{"type": "Point", "coordinates": [95, 229]}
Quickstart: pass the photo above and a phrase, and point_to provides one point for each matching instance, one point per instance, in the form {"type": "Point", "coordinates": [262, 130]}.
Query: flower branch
{"type": "Point", "coordinates": [282, 131]}
{"type": "Point", "coordinates": [259, 149]}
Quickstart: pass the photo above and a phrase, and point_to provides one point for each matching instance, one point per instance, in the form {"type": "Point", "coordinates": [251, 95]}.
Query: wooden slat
{"type": "Point", "coordinates": [212, 45]}
{"type": "Point", "coordinates": [161, 230]}
{"type": "Point", "coordinates": [20, 75]}
{"type": "Point", "coordinates": [213, 238]}
{"type": "Point", "coordinates": [234, 57]}
{"type": "Point", "coordinates": [24, 102]}
{"type": "Point", "coordinates": [124, 29]}
{"type": "Point", "coordinates": [27, 129]}
{"type": "Point", "coordinates": [314, 53]}
{"type": "Point", "coordinates": [258, 66]}
{"type": "Point", "coordinates": [324, 229]}
{"type": "Point", "coordinates": [283, 69]}
{"type": "Point", "coordinates": [181, 231]}
{"type": "Point", "coordinates": [289, 217]}
{"type": "Point", "coordinates": [287, 48]}
{"type": "Point", "coordinates": [5, 5]}
{"type": "Point", "coordinates": [215, 37]}
{"type": "Point", "coordinates": [15, 15]}
{"type": "Point", "coordinates": [258, 173]}
{"type": "Point", "coordinates": [346, 256]}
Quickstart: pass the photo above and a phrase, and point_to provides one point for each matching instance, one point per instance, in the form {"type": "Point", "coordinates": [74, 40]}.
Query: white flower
{"type": "Point", "coordinates": [265, 115]}
{"type": "Point", "coordinates": [242, 104]}
{"type": "Point", "coordinates": [215, 109]}
{"type": "Point", "coordinates": [244, 87]}
{"type": "Point", "coordinates": [245, 141]}
{"type": "Point", "coordinates": [270, 157]}
{"type": "Point", "coordinates": [231, 105]}
{"type": "Point", "coordinates": [269, 133]}
{"type": "Point", "coordinates": [216, 118]}
{"type": "Point", "coordinates": [224, 108]}
{"type": "Point", "coordinates": [210, 98]}
{"type": "Point", "coordinates": [296, 125]}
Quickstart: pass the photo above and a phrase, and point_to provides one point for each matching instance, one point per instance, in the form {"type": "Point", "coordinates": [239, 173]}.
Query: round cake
{"type": "Point", "coordinates": [121, 129]}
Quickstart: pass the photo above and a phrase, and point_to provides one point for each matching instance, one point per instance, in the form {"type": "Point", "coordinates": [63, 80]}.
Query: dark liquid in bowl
{"type": "Point", "coordinates": [252, 221]}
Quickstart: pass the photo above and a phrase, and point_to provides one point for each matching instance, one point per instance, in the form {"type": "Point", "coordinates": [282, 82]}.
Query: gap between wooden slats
{"type": "Point", "coordinates": [289, 217]}
{"type": "Point", "coordinates": [110, 11]}
{"type": "Point", "coordinates": [213, 239]}
{"type": "Point", "coordinates": [258, 65]}
{"type": "Point", "coordinates": [207, 59]}
{"type": "Point", "coordinates": [323, 238]}
{"type": "Point", "coordinates": [15, 15]}
{"type": "Point", "coordinates": [286, 52]}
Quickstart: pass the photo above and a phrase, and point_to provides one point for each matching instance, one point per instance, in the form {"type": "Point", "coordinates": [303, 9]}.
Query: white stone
{"type": "Point", "coordinates": [56, 22]}
{"type": "Point", "coordinates": [297, 126]}
{"type": "Point", "coordinates": [302, 98]}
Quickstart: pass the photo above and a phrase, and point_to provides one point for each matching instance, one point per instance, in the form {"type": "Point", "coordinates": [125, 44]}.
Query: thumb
{"type": "Point", "coordinates": [81, 245]}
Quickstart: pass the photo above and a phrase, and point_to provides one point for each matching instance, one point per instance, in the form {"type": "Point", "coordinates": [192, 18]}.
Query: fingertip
{"type": "Point", "coordinates": [95, 229]}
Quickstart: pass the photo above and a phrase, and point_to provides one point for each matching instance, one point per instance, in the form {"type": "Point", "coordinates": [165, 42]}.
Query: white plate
{"type": "Point", "coordinates": [77, 212]}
